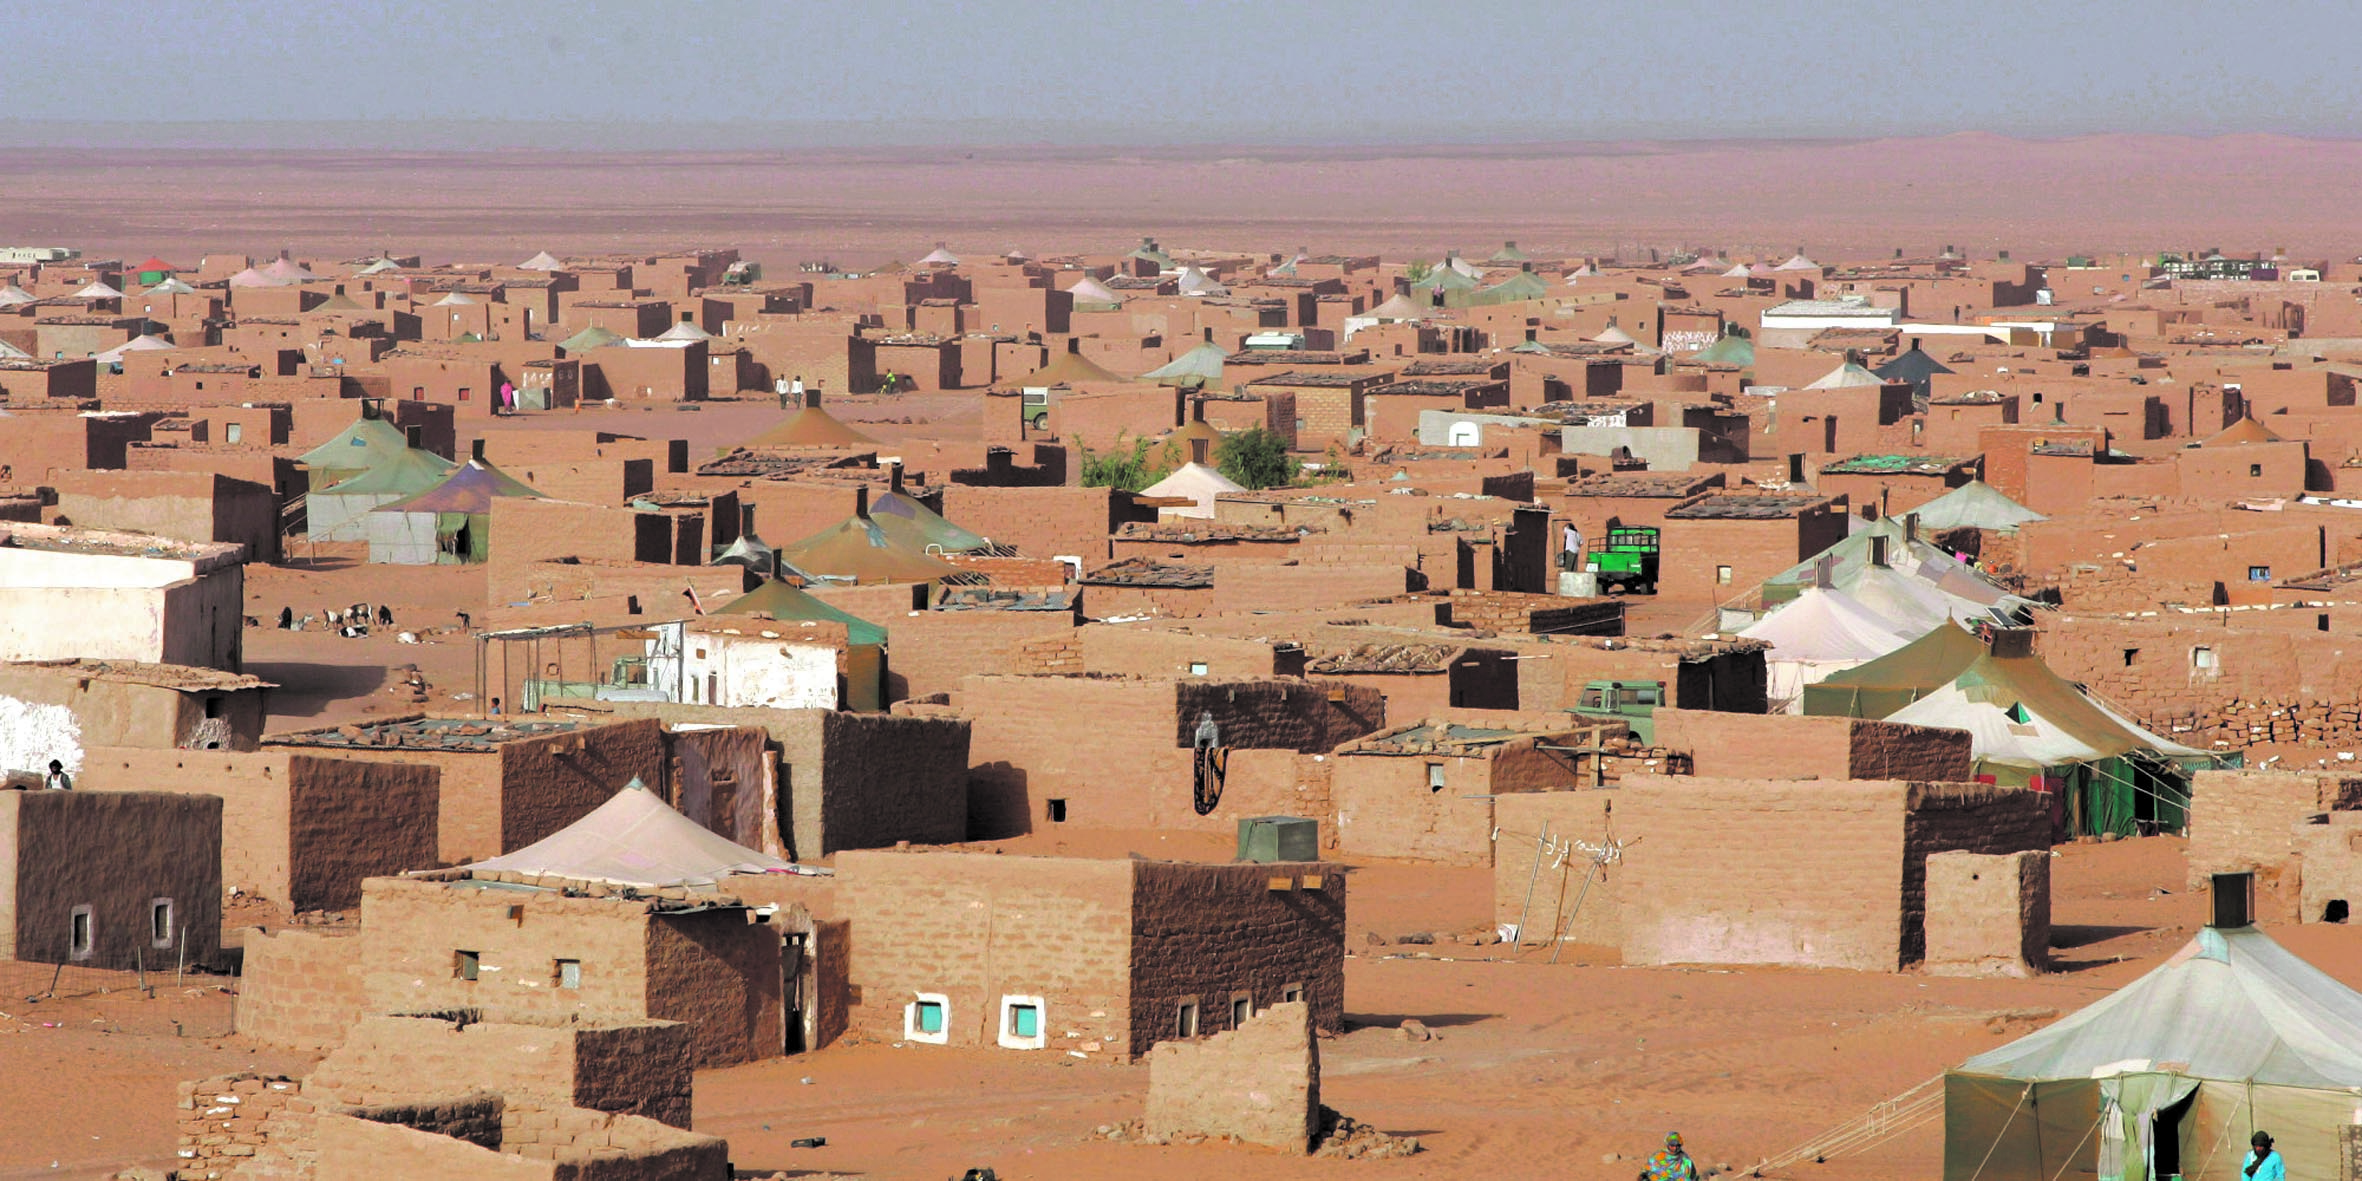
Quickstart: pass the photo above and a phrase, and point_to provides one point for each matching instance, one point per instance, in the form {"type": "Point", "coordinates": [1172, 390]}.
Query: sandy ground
{"type": "Point", "coordinates": [859, 209]}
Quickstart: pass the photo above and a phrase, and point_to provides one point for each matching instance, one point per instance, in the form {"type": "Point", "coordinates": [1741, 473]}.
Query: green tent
{"type": "Point", "coordinates": [1730, 350]}
{"type": "Point", "coordinates": [916, 526]}
{"type": "Point", "coordinates": [1200, 366]}
{"type": "Point", "coordinates": [857, 550]}
{"type": "Point", "coordinates": [448, 524]}
{"type": "Point", "coordinates": [1882, 686]}
{"type": "Point", "coordinates": [355, 449]}
{"type": "Point", "coordinates": [2170, 1075]}
{"type": "Point", "coordinates": [788, 603]}
{"type": "Point", "coordinates": [337, 512]}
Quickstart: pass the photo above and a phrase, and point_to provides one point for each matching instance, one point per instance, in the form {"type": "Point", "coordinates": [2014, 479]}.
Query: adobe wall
{"type": "Point", "coordinates": [2329, 864]}
{"type": "Point", "coordinates": [1307, 586]}
{"type": "Point", "coordinates": [718, 972]}
{"type": "Point", "coordinates": [975, 928]}
{"type": "Point", "coordinates": [1040, 522]}
{"type": "Point", "coordinates": [1147, 602]}
{"type": "Point", "coordinates": [866, 781]}
{"type": "Point", "coordinates": [467, 809]}
{"type": "Point", "coordinates": [1387, 808]}
{"type": "Point", "coordinates": [1259, 1083]}
{"type": "Point", "coordinates": [1124, 650]}
{"type": "Point", "coordinates": [222, 1122]}
{"type": "Point", "coordinates": [115, 852]}
{"type": "Point", "coordinates": [2243, 821]}
{"type": "Point", "coordinates": [298, 830]}
{"type": "Point", "coordinates": [1548, 896]}
{"type": "Point", "coordinates": [1988, 915]}
{"type": "Point", "coordinates": [2264, 684]}
{"type": "Point", "coordinates": [300, 989]}
{"type": "Point", "coordinates": [56, 713]}
{"type": "Point", "coordinates": [1269, 783]}
{"type": "Point", "coordinates": [1794, 746]}
{"type": "Point", "coordinates": [549, 783]}
{"type": "Point", "coordinates": [1214, 933]}
{"type": "Point", "coordinates": [641, 1068]}
{"type": "Point", "coordinates": [932, 650]}
{"type": "Point", "coordinates": [351, 1148]}
{"type": "Point", "coordinates": [1970, 817]}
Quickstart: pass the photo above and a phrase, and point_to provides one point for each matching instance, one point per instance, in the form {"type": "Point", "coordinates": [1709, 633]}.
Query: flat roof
{"type": "Point", "coordinates": [439, 734]}
{"type": "Point", "coordinates": [136, 672]}
{"type": "Point", "coordinates": [1740, 507]}
{"type": "Point", "coordinates": [1898, 465]}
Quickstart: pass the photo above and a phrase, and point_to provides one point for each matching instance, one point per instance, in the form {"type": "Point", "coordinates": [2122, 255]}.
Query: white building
{"type": "Point", "coordinates": [1792, 324]}
{"type": "Point", "coordinates": [70, 593]}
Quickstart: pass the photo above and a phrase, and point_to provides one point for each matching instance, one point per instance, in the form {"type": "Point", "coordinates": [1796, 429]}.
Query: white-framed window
{"type": "Point", "coordinates": [927, 1018]}
{"type": "Point", "coordinates": [1242, 1009]}
{"type": "Point", "coordinates": [1024, 1023]}
{"type": "Point", "coordinates": [1722, 575]}
{"type": "Point", "coordinates": [1185, 1019]}
{"type": "Point", "coordinates": [81, 933]}
{"type": "Point", "coordinates": [160, 922]}
{"type": "Point", "coordinates": [1291, 994]}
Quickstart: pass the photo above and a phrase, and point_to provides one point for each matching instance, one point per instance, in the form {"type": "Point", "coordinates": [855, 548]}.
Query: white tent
{"type": "Point", "coordinates": [1090, 290]}
{"type": "Point", "coordinates": [138, 344]}
{"type": "Point", "coordinates": [14, 296]}
{"type": "Point", "coordinates": [254, 278]}
{"type": "Point", "coordinates": [940, 257]}
{"type": "Point", "coordinates": [1198, 482]}
{"type": "Point", "coordinates": [1798, 263]}
{"type": "Point", "coordinates": [9, 352]}
{"type": "Point", "coordinates": [636, 839]}
{"type": "Point", "coordinates": [1821, 631]}
{"type": "Point", "coordinates": [457, 299]}
{"type": "Point", "coordinates": [1196, 282]}
{"type": "Point", "coordinates": [544, 261]}
{"type": "Point", "coordinates": [172, 285]}
{"type": "Point", "coordinates": [1975, 505]}
{"type": "Point", "coordinates": [2231, 1035]}
{"type": "Point", "coordinates": [684, 332]}
{"type": "Point", "coordinates": [97, 289]}
{"type": "Point", "coordinates": [1846, 376]}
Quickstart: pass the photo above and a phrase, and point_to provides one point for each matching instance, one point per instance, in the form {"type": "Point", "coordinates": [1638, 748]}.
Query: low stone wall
{"type": "Point", "coordinates": [1258, 1084]}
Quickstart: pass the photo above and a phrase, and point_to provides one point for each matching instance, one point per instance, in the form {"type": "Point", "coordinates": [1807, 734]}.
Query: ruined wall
{"type": "Point", "coordinates": [641, 1068]}
{"type": "Point", "coordinates": [1792, 746]}
{"type": "Point", "coordinates": [1259, 1083]}
{"type": "Point", "coordinates": [221, 1121]}
{"type": "Point", "coordinates": [975, 928]}
{"type": "Point", "coordinates": [118, 853]}
{"type": "Point", "coordinates": [351, 1148]}
{"type": "Point", "coordinates": [301, 989]}
{"type": "Point", "coordinates": [1213, 934]}
{"type": "Point", "coordinates": [1988, 915]}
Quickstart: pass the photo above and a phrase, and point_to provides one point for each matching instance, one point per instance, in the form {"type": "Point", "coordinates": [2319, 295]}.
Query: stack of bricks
{"type": "Point", "coordinates": [2241, 723]}
{"type": "Point", "coordinates": [1513, 613]}
{"type": "Point", "coordinates": [1057, 654]}
{"type": "Point", "coordinates": [221, 1123]}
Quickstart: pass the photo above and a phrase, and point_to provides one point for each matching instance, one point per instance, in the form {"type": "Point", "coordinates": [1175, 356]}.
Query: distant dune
{"type": "Point", "coordinates": [1855, 198]}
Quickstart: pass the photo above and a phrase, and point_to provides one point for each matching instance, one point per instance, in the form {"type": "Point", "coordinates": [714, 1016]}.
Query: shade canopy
{"type": "Point", "coordinates": [636, 839]}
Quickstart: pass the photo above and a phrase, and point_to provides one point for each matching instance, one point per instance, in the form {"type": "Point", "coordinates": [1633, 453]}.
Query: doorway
{"type": "Point", "coordinates": [2165, 1137]}
{"type": "Point", "coordinates": [795, 961]}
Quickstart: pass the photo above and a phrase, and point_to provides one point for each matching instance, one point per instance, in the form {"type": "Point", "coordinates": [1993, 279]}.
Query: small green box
{"type": "Point", "coordinates": [1278, 838]}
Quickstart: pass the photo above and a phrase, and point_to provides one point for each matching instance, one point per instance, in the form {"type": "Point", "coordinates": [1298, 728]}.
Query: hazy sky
{"type": "Point", "coordinates": [780, 72]}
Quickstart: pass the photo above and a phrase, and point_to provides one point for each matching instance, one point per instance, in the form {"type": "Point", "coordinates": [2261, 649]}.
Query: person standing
{"type": "Point", "coordinates": [1671, 1163]}
{"type": "Point", "coordinates": [1570, 557]}
{"type": "Point", "coordinates": [57, 779]}
{"type": "Point", "coordinates": [2262, 1163]}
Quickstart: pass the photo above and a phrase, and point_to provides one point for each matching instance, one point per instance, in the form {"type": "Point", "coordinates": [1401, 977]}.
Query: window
{"type": "Point", "coordinates": [1435, 776]}
{"type": "Point", "coordinates": [1021, 1023]}
{"type": "Point", "coordinates": [1057, 811]}
{"type": "Point", "coordinates": [1197, 668]}
{"type": "Point", "coordinates": [464, 392]}
{"type": "Point", "coordinates": [160, 922]}
{"type": "Point", "coordinates": [1292, 994]}
{"type": "Point", "coordinates": [1185, 1019]}
{"type": "Point", "coordinates": [2018, 713]}
{"type": "Point", "coordinates": [569, 973]}
{"type": "Point", "coordinates": [213, 705]}
{"type": "Point", "coordinates": [2130, 655]}
{"type": "Point", "coordinates": [1722, 576]}
{"type": "Point", "coordinates": [80, 936]}
{"type": "Point", "coordinates": [927, 1019]}
{"type": "Point", "coordinates": [2259, 574]}
{"type": "Point", "coordinates": [2203, 660]}
{"type": "Point", "coordinates": [235, 432]}
{"type": "Point", "coordinates": [1242, 1007]}
{"type": "Point", "coordinates": [465, 964]}
{"type": "Point", "coordinates": [2255, 470]}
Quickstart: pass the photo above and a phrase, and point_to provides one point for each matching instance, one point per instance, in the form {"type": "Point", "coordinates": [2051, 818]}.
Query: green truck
{"type": "Point", "coordinates": [1633, 703]}
{"type": "Point", "coordinates": [1627, 562]}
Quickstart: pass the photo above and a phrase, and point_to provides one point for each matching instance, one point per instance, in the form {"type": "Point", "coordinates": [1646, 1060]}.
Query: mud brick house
{"type": "Point", "coordinates": [67, 594]}
{"type": "Point", "coordinates": [298, 831]}
{"type": "Point", "coordinates": [2251, 822]}
{"type": "Point", "coordinates": [1329, 405]}
{"type": "Point", "coordinates": [56, 709]}
{"type": "Point", "coordinates": [104, 879]}
{"type": "Point", "coordinates": [1149, 588]}
{"type": "Point", "coordinates": [933, 650]}
{"type": "Point", "coordinates": [1832, 874]}
{"type": "Point", "coordinates": [1596, 504]}
{"type": "Point", "coordinates": [1893, 484]}
{"type": "Point", "coordinates": [1112, 956]}
{"type": "Point", "coordinates": [1391, 411]}
{"type": "Point", "coordinates": [506, 783]}
{"type": "Point", "coordinates": [1425, 791]}
{"type": "Point", "coordinates": [1716, 547]}
{"type": "Point", "coordinates": [1178, 651]}
{"type": "Point", "coordinates": [1417, 679]}
{"type": "Point", "coordinates": [1136, 763]}
{"type": "Point", "coordinates": [1206, 541]}
{"type": "Point", "coordinates": [185, 506]}
{"type": "Point", "coordinates": [1045, 522]}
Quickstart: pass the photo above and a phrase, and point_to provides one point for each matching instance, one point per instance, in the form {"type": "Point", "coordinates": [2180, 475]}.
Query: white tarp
{"type": "Point", "coordinates": [636, 839]}
{"type": "Point", "coordinates": [1821, 632]}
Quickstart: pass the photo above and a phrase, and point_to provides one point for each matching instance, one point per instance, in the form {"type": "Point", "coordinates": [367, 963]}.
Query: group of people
{"type": "Point", "coordinates": [1672, 1163]}
{"type": "Point", "coordinates": [349, 622]}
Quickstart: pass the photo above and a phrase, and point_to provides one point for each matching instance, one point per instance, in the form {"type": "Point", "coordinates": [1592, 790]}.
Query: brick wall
{"type": "Point", "coordinates": [1259, 1084]}
{"type": "Point", "coordinates": [221, 1123]}
{"type": "Point", "coordinates": [549, 783]}
{"type": "Point", "coordinates": [932, 650]}
{"type": "Point", "coordinates": [2265, 684]}
{"type": "Point", "coordinates": [1988, 915]}
{"type": "Point", "coordinates": [114, 852]}
{"type": "Point", "coordinates": [717, 972]}
{"type": "Point", "coordinates": [1548, 896]}
{"type": "Point", "coordinates": [1213, 934]}
{"type": "Point", "coordinates": [1966, 817]}
{"type": "Point", "coordinates": [301, 989]}
{"type": "Point", "coordinates": [2242, 821]}
{"type": "Point", "coordinates": [1790, 746]}
{"type": "Point", "coordinates": [1041, 522]}
{"type": "Point", "coordinates": [1307, 586]}
{"type": "Point", "coordinates": [863, 781]}
{"type": "Point", "coordinates": [639, 1068]}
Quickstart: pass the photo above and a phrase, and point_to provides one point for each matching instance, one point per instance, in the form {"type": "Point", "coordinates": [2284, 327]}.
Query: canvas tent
{"type": "Point", "coordinates": [810, 426]}
{"type": "Point", "coordinates": [914, 525]}
{"type": "Point", "coordinates": [1198, 482]}
{"type": "Point", "coordinates": [1975, 505]}
{"type": "Point", "coordinates": [1823, 631]}
{"type": "Point", "coordinates": [788, 603]}
{"type": "Point", "coordinates": [636, 839]}
{"type": "Point", "coordinates": [2170, 1074]}
{"type": "Point", "coordinates": [856, 550]}
{"type": "Point", "coordinates": [368, 464]}
{"type": "Point", "coordinates": [448, 524]}
{"type": "Point", "coordinates": [1199, 367]}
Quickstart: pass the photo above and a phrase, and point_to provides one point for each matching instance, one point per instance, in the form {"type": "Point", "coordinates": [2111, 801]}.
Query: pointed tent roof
{"type": "Point", "coordinates": [811, 426]}
{"type": "Point", "coordinates": [1195, 281]}
{"type": "Point", "coordinates": [1509, 253]}
{"type": "Point", "coordinates": [379, 267]}
{"type": "Point", "coordinates": [171, 285]}
{"type": "Point", "coordinates": [364, 444]}
{"type": "Point", "coordinates": [544, 261]}
{"type": "Point", "coordinates": [2019, 713]}
{"type": "Point", "coordinates": [97, 289]}
{"type": "Point", "coordinates": [1880, 687]}
{"type": "Point", "coordinates": [13, 295]}
{"type": "Point", "coordinates": [793, 604]}
{"type": "Point", "coordinates": [457, 299]}
{"type": "Point", "coordinates": [1975, 505]}
{"type": "Point", "coordinates": [143, 343]}
{"type": "Point", "coordinates": [153, 264]}
{"type": "Point", "coordinates": [1068, 369]}
{"type": "Point", "coordinates": [593, 337]}
{"type": "Point", "coordinates": [407, 472]}
{"type": "Point", "coordinates": [1913, 365]}
{"type": "Point", "coordinates": [9, 352]}
{"type": "Point", "coordinates": [1613, 334]}
{"type": "Point", "coordinates": [1827, 625]}
{"type": "Point", "coordinates": [1197, 481]}
{"type": "Point", "coordinates": [636, 839]}
{"type": "Point", "coordinates": [1397, 306]}
{"type": "Point", "coordinates": [2231, 1005]}
{"type": "Point", "coordinates": [1584, 271]}
{"type": "Point", "coordinates": [287, 270]}
{"type": "Point", "coordinates": [1201, 366]}
{"type": "Point", "coordinates": [940, 257]}
{"type": "Point", "coordinates": [1737, 271]}
{"type": "Point", "coordinates": [340, 302]}
{"type": "Point", "coordinates": [1092, 291]}
{"type": "Point", "coordinates": [1798, 262]}
{"type": "Point", "coordinates": [1148, 251]}
{"type": "Point", "coordinates": [1846, 376]}
{"type": "Point", "coordinates": [254, 278]}
{"type": "Point", "coordinates": [1447, 278]}
{"type": "Point", "coordinates": [914, 524]}
{"type": "Point", "coordinates": [2246, 430]}
{"type": "Point", "coordinates": [470, 489]}
{"type": "Point", "coordinates": [1730, 350]}
{"type": "Point", "coordinates": [684, 332]}
{"type": "Point", "coordinates": [857, 549]}
{"type": "Point", "coordinates": [1521, 286]}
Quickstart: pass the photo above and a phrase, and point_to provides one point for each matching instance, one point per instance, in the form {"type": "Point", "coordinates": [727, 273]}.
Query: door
{"type": "Point", "coordinates": [796, 991]}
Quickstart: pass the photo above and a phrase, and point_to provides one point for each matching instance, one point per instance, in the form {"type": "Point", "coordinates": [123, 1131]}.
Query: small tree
{"type": "Point", "coordinates": [1418, 269]}
{"type": "Point", "coordinates": [1256, 458]}
{"type": "Point", "coordinates": [1125, 470]}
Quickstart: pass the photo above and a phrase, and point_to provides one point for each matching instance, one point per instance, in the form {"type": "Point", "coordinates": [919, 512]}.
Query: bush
{"type": "Point", "coordinates": [1120, 469]}
{"type": "Point", "coordinates": [1256, 458]}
